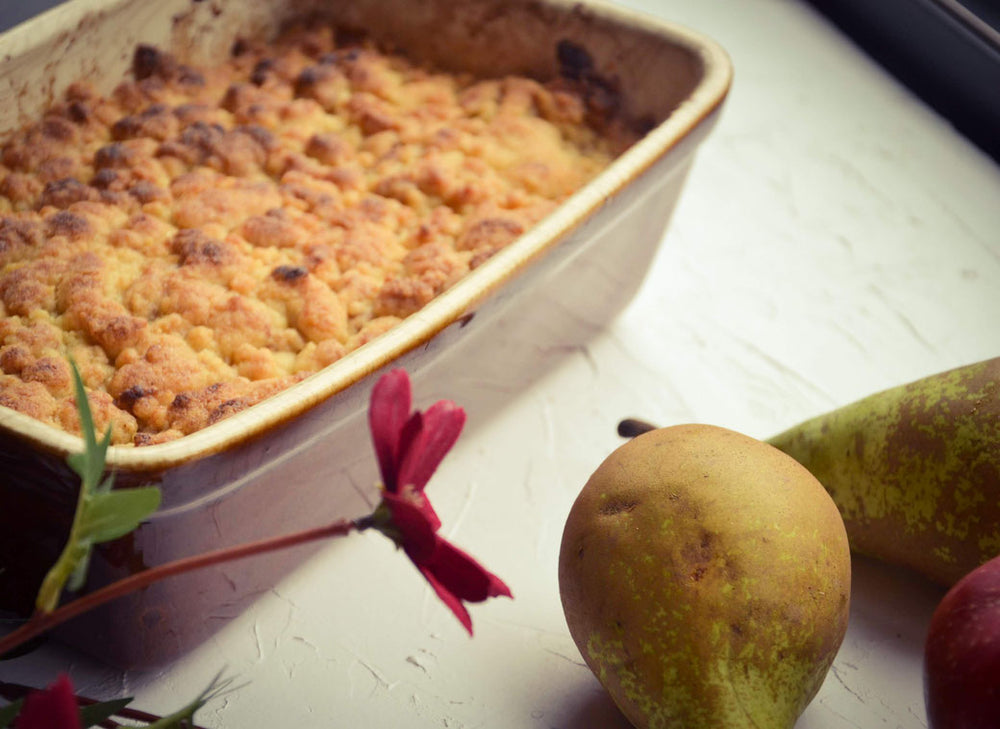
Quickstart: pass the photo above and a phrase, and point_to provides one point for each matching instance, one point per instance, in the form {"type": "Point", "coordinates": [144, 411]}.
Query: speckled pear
{"type": "Point", "coordinates": [914, 470]}
{"type": "Point", "coordinates": [705, 578]}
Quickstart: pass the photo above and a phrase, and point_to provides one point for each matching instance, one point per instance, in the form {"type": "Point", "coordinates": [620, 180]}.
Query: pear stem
{"type": "Point", "coordinates": [631, 427]}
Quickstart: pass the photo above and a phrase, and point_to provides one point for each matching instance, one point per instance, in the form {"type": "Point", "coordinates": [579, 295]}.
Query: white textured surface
{"type": "Point", "coordinates": [835, 238]}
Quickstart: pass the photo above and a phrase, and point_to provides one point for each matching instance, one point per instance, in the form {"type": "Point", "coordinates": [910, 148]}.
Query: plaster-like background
{"type": "Point", "coordinates": [835, 238]}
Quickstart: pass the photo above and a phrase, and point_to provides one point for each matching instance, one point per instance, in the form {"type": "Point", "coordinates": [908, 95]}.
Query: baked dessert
{"type": "Point", "coordinates": [201, 238]}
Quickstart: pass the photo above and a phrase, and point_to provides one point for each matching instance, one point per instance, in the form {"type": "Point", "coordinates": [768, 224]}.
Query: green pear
{"type": "Point", "coordinates": [705, 578]}
{"type": "Point", "coordinates": [914, 470]}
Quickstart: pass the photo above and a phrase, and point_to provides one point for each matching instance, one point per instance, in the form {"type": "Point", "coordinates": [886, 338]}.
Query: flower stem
{"type": "Point", "coordinates": [40, 622]}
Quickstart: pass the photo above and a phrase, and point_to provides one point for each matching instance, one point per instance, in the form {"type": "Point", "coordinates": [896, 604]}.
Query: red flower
{"type": "Point", "coordinates": [52, 708]}
{"type": "Point", "coordinates": [409, 446]}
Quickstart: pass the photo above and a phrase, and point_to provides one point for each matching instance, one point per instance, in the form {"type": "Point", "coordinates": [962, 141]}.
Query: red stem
{"type": "Point", "coordinates": [41, 622]}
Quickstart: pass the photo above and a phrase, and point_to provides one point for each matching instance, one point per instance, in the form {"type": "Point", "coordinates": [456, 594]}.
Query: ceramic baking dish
{"type": "Point", "coordinates": [289, 462]}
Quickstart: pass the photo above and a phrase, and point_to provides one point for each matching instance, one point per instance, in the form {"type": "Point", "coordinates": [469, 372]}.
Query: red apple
{"type": "Point", "coordinates": [962, 654]}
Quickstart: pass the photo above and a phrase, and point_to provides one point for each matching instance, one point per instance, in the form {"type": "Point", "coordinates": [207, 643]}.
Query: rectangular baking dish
{"type": "Point", "coordinates": [302, 457]}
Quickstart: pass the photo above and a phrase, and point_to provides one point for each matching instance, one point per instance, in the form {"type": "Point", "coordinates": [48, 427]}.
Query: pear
{"type": "Point", "coordinates": [705, 578]}
{"type": "Point", "coordinates": [914, 470]}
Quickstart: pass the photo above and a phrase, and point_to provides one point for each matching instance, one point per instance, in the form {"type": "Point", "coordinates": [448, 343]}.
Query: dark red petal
{"type": "Point", "coordinates": [408, 435]}
{"type": "Point", "coordinates": [440, 426]}
{"type": "Point", "coordinates": [387, 414]}
{"type": "Point", "coordinates": [52, 708]}
{"type": "Point", "coordinates": [463, 576]}
{"type": "Point", "coordinates": [419, 499]}
{"type": "Point", "coordinates": [448, 598]}
{"type": "Point", "coordinates": [416, 525]}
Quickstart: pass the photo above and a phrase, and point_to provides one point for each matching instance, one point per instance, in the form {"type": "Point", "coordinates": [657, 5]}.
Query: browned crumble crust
{"type": "Point", "coordinates": [202, 238]}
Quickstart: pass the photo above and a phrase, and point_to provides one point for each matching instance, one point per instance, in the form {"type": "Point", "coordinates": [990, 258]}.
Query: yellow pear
{"type": "Point", "coordinates": [705, 578]}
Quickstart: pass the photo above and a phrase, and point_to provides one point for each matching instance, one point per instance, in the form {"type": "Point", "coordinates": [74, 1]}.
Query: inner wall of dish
{"type": "Point", "coordinates": [95, 40]}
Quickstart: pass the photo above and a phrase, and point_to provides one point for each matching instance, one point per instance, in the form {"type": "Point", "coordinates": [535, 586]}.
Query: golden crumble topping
{"type": "Point", "coordinates": [200, 239]}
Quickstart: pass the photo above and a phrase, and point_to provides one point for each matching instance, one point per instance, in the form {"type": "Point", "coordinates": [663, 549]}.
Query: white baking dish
{"type": "Point", "coordinates": [285, 463]}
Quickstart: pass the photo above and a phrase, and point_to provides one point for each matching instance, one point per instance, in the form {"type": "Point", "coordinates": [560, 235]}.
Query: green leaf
{"type": "Point", "coordinates": [112, 514]}
{"type": "Point", "coordinates": [107, 516]}
{"type": "Point", "coordinates": [89, 465]}
{"type": "Point", "coordinates": [102, 514]}
{"type": "Point", "coordinates": [78, 577]}
{"type": "Point", "coordinates": [184, 718]}
{"type": "Point", "coordinates": [96, 713]}
{"type": "Point", "coordinates": [9, 712]}
{"type": "Point", "coordinates": [73, 555]}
